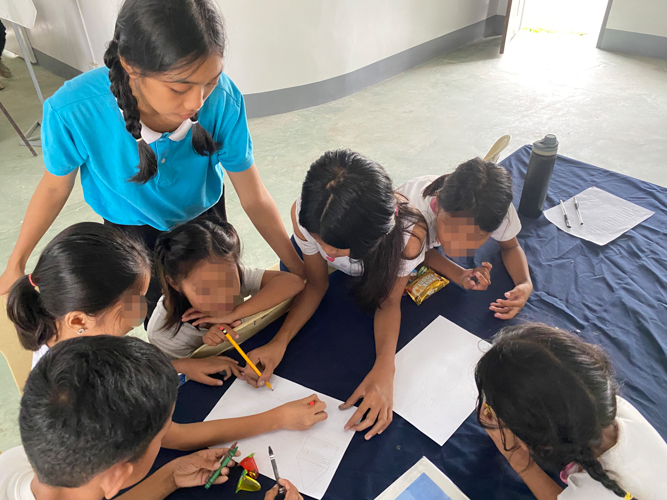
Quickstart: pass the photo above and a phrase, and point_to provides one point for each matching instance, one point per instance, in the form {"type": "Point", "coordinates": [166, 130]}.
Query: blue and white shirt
{"type": "Point", "coordinates": [84, 128]}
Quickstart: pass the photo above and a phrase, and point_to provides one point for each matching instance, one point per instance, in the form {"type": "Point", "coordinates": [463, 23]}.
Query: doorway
{"type": "Point", "coordinates": [565, 18]}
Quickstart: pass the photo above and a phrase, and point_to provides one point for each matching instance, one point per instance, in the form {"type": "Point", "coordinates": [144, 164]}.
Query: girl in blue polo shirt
{"type": "Point", "coordinates": [151, 134]}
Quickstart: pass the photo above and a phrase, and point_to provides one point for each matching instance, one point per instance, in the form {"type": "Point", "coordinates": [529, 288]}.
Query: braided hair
{"type": "Point", "coordinates": [155, 36]}
{"type": "Point", "coordinates": [553, 391]}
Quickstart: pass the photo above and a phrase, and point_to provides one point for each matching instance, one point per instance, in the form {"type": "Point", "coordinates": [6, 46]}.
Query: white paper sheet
{"type": "Point", "coordinates": [308, 459]}
{"type": "Point", "coordinates": [434, 386]}
{"type": "Point", "coordinates": [424, 466]}
{"type": "Point", "coordinates": [605, 216]}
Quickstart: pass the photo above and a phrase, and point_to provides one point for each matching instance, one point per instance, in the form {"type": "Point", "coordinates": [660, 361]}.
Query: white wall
{"type": "Point", "coordinates": [639, 16]}
{"type": "Point", "coordinates": [274, 45]}
{"type": "Point", "coordinates": [284, 44]}
{"type": "Point", "coordinates": [60, 31]}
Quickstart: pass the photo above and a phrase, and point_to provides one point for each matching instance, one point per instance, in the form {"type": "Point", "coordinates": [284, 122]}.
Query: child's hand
{"type": "Point", "coordinates": [478, 278]}
{"type": "Point", "coordinates": [376, 409]}
{"type": "Point", "coordinates": [302, 414]}
{"type": "Point", "coordinates": [513, 303]}
{"type": "Point", "coordinates": [201, 318]}
{"type": "Point", "coordinates": [291, 493]}
{"type": "Point", "coordinates": [266, 359]}
{"type": "Point", "coordinates": [195, 469]}
{"type": "Point", "coordinates": [215, 336]}
{"type": "Point", "coordinates": [200, 369]}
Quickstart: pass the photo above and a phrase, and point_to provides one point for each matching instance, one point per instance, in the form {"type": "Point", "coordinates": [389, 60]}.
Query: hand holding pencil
{"type": "Point", "coordinates": [243, 355]}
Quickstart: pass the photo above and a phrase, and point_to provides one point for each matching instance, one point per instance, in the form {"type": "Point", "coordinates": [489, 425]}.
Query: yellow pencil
{"type": "Point", "coordinates": [247, 359]}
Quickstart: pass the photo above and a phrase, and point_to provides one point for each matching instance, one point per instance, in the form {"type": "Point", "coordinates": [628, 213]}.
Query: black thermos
{"type": "Point", "coordinates": [538, 175]}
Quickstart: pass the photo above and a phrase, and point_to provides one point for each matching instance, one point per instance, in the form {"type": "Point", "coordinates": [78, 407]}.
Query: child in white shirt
{"type": "Point", "coordinates": [93, 415]}
{"type": "Point", "coordinates": [548, 398]}
{"type": "Point", "coordinates": [463, 210]}
{"type": "Point", "coordinates": [205, 287]}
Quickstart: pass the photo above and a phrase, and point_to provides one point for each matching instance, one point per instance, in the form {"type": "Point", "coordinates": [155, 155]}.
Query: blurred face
{"type": "Point", "coordinates": [213, 286]}
{"type": "Point", "coordinates": [144, 463]}
{"type": "Point", "coordinates": [175, 96]}
{"type": "Point", "coordinates": [332, 253]}
{"type": "Point", "coordinates": [127, 314]}
{"type": "Point", "coordinates": [458, 234]}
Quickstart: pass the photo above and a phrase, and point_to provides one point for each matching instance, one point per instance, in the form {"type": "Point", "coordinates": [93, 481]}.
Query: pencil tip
{"type": "Point", "coordinates": [270, 451]}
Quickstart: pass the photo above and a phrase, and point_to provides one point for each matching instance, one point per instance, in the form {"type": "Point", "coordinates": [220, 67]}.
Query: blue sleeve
{"type": "Point", "coordinates": [235, 155]}
{"type": "Point", "coordinates": [60, 151]}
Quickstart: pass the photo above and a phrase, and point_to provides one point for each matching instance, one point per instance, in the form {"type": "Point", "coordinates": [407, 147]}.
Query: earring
{"type": "Point", "coordinates": [487, 411]}
{"type": "Point", "coordinates": [81, 331]}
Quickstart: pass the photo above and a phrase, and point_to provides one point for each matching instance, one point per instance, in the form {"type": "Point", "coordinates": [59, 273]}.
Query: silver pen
{"type": "Point", "coordinates": [567, 221]}
{"type": "Point", "coordinates": [576, 207]}
{"type": "Point", "coordinates": [281, 488]}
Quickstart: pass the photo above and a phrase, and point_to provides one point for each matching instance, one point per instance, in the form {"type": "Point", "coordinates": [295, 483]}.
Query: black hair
{"type": "Point", "coordinates": [154, 36]}
{"type": "Point", "coordinates": [86, 268]}
{"type": "Point", "coordinates": [180, 250]}
{"type": "Point", "coordinates": [554, 392]}
{"type": "Point", "coordinates": [348, 200]}
{"type": "Point", "coordinates": [477, 187]}
{"type": "Point", "coordinates": [92, 402]}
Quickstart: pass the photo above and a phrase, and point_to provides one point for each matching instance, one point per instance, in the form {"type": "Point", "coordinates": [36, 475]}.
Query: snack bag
{"type": "Point", "coordinates": [425, 284]}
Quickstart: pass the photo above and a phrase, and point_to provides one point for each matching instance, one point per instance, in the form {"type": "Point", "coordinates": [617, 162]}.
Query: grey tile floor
{"type": "Point", "coordinates": [606, 109]}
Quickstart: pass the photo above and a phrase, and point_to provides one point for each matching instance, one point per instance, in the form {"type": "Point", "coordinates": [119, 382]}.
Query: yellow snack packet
{"type": "Point", "coordinates": [425, 284]}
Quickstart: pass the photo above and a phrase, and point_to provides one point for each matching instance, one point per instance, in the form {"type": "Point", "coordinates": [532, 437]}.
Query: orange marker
{"type": "Point", "coordinates": [243, 354]}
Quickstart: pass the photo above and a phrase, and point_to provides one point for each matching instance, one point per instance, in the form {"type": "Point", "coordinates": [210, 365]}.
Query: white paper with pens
{"type": "Point", "coordinates": [605, 216]}
{"type": "Point", "coordinates": [308, 459]}
{"type": "Point", "coordinates": [434, 386]}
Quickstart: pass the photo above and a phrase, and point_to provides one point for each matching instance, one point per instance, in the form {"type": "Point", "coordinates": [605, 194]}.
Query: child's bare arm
{"type": "Point", "coordinates": [516, 264]}
{"type": "Point", "coordinates": [276, 287]}
{"type": "Point", "coordinates": [46, 203]}
{"type": "Point", "coordinates": [297, 415]}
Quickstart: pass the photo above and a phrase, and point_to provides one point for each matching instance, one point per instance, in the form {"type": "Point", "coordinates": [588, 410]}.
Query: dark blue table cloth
{"type": "Point", "coordinates": [612, 295]}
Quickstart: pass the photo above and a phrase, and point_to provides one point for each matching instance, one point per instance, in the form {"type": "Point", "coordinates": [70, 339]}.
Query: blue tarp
{"type": "Point", "coordinates": [612, 295]}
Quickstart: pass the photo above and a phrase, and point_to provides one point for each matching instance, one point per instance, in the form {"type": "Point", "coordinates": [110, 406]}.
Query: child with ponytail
{"type": "Point", "coordinates": [548, 400]}
{"type": "Point", "coordinates": [463, 210]}
{"type": "Point", "coordinates": [151, 134]}
{"type": "Point", "coordinates": [90, 280]}
{"type": "Point", "coordinates": [348, 216]}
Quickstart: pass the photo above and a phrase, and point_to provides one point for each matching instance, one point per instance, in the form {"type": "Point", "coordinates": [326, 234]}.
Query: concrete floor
{"type": "Point", "coordinates": [606, 109]}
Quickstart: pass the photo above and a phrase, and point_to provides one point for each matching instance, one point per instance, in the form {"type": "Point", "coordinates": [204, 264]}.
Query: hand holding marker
{"type": "Point", "coordinates": [281, 488]}
{"type": "Point", "coordinates": [226, 459]}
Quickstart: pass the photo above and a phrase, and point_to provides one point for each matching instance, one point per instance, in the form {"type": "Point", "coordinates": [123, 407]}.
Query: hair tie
{"type": "Point", "coordinates": [140, 139]}
{"type": "Point", "coordinates": [628, 496]}
{"type": "Point", "coordinates": [33, 283]}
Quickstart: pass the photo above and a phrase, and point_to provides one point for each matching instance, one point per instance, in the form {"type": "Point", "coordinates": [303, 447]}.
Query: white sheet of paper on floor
{"type": "Point", "coordinates": [434, 387]}
{"type": "Point", "coordinates": [308, 459]}
{"type": "Point", "coordinates": [605, 216]}
{"type": "Point", "coordinates": [423, 481]}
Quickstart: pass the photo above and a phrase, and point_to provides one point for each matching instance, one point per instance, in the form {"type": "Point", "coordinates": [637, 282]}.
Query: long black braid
{"type": "Point", "coordinates": [594, 469]}
{"type": "Point", "coordinates": [554, 392]}
{"type": "Point", "coordinates": [120, 88]}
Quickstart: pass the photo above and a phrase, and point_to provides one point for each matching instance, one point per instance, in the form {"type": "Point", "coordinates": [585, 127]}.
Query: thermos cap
{"type": "Point", "coordinates": [547, 146]}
